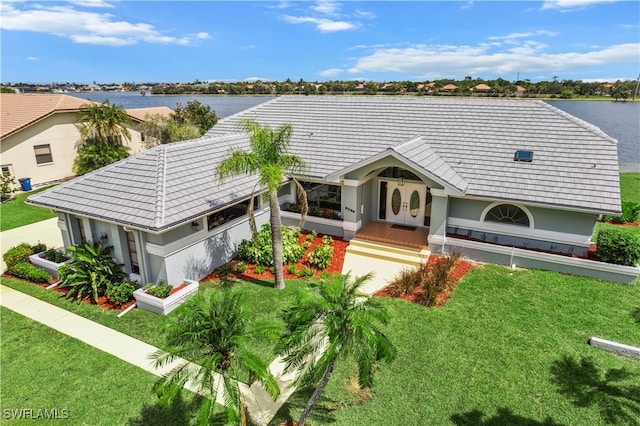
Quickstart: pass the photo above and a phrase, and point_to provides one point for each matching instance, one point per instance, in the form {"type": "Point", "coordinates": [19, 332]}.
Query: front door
{"type": "Point", "coordinates": [405, 203]}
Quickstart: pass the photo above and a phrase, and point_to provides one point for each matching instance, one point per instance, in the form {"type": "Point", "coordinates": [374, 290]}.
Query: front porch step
{"type": "Point", "coordinates": [406, 255]}
{"type": "Point", "coordinates": [384, 260]}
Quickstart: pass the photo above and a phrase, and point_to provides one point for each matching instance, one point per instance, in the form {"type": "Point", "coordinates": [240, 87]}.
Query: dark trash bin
{"type": "Point", "coordinates": [25, 184]}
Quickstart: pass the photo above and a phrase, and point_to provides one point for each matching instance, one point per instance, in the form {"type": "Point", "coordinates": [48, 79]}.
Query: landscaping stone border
{"type": "Point", "coordinates": [615, 347]}
{"type": "Point", "coordinates": [164, 306]}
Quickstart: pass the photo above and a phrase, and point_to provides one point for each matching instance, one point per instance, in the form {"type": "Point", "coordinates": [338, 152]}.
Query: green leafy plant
{"type": "Point", "coordinates": [160, 290]}
{"type": "Point", "coordinates": [120, 292]}
{"type": "Point", "coordinates": [7, 187]}
{"type": "Point", "coordinates": [630, 212]}
{"type": "Point", "coordinates": [241, 267]}
{"type": "Point", "coordinates": [94, 154]}
{"type": "Point", "coordinates": [259, 269]}
{"type": "Point", "coordinates": [306, 272]}
{"type": "Point", "coordinates": [224, 272]}
{"type": "Point", "coordinates": [27, 271]}
{"type": "Point", "coordinates": [55, 256]}
{"type": "Point", "coordinates": [321, 256]}
{"type": "Point", "coordinates": [619, 246]}
{"type": "Point", "coordinates": [39, 247]}
{"type": "Point", "coordinates": [259, 249]}
{"type": "Point", "coordinates": [90, 271]}
{"type": "Point", "coordinates": [292, 268]}
{"type": "Point", "coordinates": [17, 254]}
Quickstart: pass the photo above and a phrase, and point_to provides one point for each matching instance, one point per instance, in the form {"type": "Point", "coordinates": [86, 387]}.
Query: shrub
{"type": "Point", "coordinates": [619, 246]}
{"type": "Point", "coordinates": [258, 250]}
{"type": "Point", "coordinates": [321, 256]}
{"type": "Point", "coordinates": [161, 290]}
{"type": "Point", "coordinates": [292, 268]}
{"type": "Point", "coordinates": [405, 282]}
{"type": "Point", "coordinates": [120, 292]}
{"type": "Point", "coordinates": [437, 278]}
{"type": "Point", "coordinates": [90, 271]}
{"type": "Point", "coordinates": [38, 248]}
{"type": "Point", "coordinates": [55, 256]}
{"type": "Point", "coordinates": [27, 271]}
{"type": "Point", "coordinates": [7, 187]}
{"type": "Point", "coordinates": [630, 212]}
{"type": "Point", "coordinates": [259, 269]}
{"type": "Point", "coordinates": [224, 272]}
{"type": "Point", "coordinates": [241, 267]}
{"type": "Point", "coordinates": [306, 272]}
{"type": "Point", "coordinates": [17, 254]}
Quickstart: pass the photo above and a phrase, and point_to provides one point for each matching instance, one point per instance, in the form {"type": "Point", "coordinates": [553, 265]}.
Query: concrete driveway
{"type": "Point", "coordinates": [45, 231]}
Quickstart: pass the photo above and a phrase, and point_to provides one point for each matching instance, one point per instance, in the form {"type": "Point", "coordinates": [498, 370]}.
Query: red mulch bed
{"type": "Point", "coordinates": [102, 301]}
{"type": "Point", "coordinates": [461, 268]}
{"type": "Point", "coordinates": [339, 249]}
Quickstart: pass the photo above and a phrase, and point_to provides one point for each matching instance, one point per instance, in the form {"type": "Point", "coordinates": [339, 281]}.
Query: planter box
{"type": "Point", "coordinates": [164, 306]}
{"type": "Point", "coordinates": [37, 260]}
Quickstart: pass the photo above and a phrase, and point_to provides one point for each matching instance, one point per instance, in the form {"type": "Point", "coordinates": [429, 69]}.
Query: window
{"type": "Point", "coordinates": [324, 200]}
{"type": "Point", "coordinates": [133, 253]}
{"type": "Point", "coordinates": [523, 155]}
{"type": "Point", "coordinates": [83, 237]}
{"type": "Point", "coordinates": [507, 213]}
{"type": "Point", "coordinates": [6, 170]}
{"type": "Point", "coordinates": [237, 210]}
{"type": "Point", "coordinates": [43, 154]}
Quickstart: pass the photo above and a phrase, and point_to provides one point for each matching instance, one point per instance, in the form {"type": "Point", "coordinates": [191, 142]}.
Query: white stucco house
{"type": "Point", "coordinates": [39, 135]}
{"type": "Point", "coordinates": [497, 174]}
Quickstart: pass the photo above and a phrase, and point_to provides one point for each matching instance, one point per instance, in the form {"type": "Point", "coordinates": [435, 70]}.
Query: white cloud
{"type": "Point", "coordinates": [92, 3]}
{"type": "Point", "coordinates": [433, 61]}
{"type": "Point", "coordinates": [32, 58]}
{"type": "Point", "coordinates": [467, 5]}
{"type": "Point", "coordinates": [322, 24]}
{"type": "Point", "coordinates": [86, 27]}
{"type": "Point", "coordinates": [514, 36]}
{"type": "Point", "coordinates": [326, 7]}
{"type": "Point", "coordinates": [572, 4]}
{"type": "Point", "coordinates": [364, 14]}
{"type": "Point", "coordinates": [331, 72]}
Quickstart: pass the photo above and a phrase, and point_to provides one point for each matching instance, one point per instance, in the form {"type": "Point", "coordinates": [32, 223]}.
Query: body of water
{"type": "Point", "coordinates": [620, 120]}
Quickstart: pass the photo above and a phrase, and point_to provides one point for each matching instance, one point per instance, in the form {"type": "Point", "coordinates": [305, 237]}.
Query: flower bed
{"type": "Point", "coordinates": [335, 266]}
{"type": "Point", "coordinates": [163, 306]}
{"type": "Point", "coordinates": [51, 267]}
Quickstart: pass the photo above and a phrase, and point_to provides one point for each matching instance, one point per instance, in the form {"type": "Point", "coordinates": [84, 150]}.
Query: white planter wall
{"type": "Point", "coordinates": [164, 306]}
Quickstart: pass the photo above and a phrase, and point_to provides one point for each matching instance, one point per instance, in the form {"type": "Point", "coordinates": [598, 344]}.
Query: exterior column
{"type": "Point", "coordinates": [439, 212]}
{"type": "Point", "coordinates": [351, 214]}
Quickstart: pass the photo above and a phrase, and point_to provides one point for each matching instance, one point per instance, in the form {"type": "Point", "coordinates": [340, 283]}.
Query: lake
{"type": "Point", "coordinates": [620, 120]}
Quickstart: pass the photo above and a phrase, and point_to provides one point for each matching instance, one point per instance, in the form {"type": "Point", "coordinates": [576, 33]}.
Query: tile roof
{"type": "Point", "coordinates": [467, 145]}
{"type": "Point", "coordinates": [18, 111]}
{"type": "Point", "coordinates": [22, 110]}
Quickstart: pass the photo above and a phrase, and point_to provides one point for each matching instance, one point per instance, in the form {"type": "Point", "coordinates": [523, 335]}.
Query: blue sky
{"type": "Point", "coordinates": [178, 41]}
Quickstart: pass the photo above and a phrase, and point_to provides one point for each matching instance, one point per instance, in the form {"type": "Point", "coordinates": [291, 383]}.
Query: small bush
{"type": "Point", "coordinates": [38, 248]}
{"type": "Point", "coordinates": [306, 272]}
{"type": "Point", "coordinates": [321, 257]}
{"type": "Point", "coordinates": [17, 254]}
{"type": "Point", "coordinates": [161, 290]}
{"type": "Point", "coordinates": [224, 272]}
{"type": "Point", "coordinates": [406, 282]}
{"type": "Point", "coordinates": [120, 292]}
{"type": "Point", "coordinates": [241, 267]}
{"type": "Point", "coordinates": [27, 271]}
{"type": "Point", "coordinates": [259, 269]}
{"type": "Point", "coordinates": [7, 187]}
{"type": "Point", "coordinates": [55, 256]}
{"type": "Point", "coordinates": [619, 246]}
{"type": "Point", "coordinates": [258, 250]}
{"type": "Point", "coordinates": [630, 212]}
{"type": "Point", "coordinates": [292, 268]}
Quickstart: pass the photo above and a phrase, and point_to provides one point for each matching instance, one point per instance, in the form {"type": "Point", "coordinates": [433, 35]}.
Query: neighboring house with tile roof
{"type": "Point", "coordinates": [39, 135]}
{"type": "Point", "coordinates": [511, 172]}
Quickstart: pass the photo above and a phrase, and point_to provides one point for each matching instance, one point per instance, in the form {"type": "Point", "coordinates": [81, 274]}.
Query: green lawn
{"type": "Point", "coordinates": [43, 369]}
{"type": "Point", "coordinates": [509, 347]}
{"type": "Point", "coordinates": [630, 187]}
{"type": "Point", "coordinates": [16, 213]}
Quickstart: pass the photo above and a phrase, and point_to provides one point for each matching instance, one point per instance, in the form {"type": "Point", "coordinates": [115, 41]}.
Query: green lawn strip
{"type": "Point", "coordinates": [16, 213]}
{"type": "Point", "coordinates": [491, 352]}
{"type": "Point", "coordinates": [630, 187]}
{"type": "Point", "coordinates": [43, 369]}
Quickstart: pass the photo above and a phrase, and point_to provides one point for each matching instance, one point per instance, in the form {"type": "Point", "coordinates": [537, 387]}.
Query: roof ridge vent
{"type": "Point", "coordinates": [409, 141]}
{"type": "Point", "coordinates": [161, 192]}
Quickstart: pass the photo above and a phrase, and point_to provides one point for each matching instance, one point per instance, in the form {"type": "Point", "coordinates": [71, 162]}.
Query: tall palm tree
{"type": "Point", "coordinates": [104, 123]}
{"type": "Point", "coordinates": [212, 330]}
{"type": "Point", "coordinates": [270, 158]}
{"type": "Point", "coordinates": [330, 322]}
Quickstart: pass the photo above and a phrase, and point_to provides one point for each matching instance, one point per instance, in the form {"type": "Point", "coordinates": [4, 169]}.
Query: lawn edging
{"type": "Point", "coordinates": [615, 347]}
{"type": "Point", "coordinates": [504, 255]}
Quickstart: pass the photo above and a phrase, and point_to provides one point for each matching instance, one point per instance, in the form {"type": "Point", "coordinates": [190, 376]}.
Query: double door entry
{"type": "Point", "coordinates": [404, 202]}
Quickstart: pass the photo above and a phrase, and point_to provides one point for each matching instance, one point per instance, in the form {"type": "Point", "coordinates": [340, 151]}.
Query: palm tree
{"type": "Point", "coordinates": [270, 158]}
{"type": "Point", "coordinates": [333, 321]}
{"type": "Point", "coordinates": [212, 330]}
{"type": "Point", "coordinates": [104, 123]}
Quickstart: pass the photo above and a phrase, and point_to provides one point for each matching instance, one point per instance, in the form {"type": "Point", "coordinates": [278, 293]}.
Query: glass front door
{"type": "Point", "coordinates": [405, 202]}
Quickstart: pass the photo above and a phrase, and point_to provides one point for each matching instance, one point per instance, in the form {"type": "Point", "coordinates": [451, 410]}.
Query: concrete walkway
{"type": "Point", "coordinates": [45, 231]}
{"type": "Point", "coordinates": [262, 407]}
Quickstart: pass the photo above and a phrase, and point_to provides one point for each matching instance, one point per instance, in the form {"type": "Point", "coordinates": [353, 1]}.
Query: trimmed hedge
{"type": "Point", "coordinates": [27, 271]}
{"type": "Point", "coordinates": [619, 246]}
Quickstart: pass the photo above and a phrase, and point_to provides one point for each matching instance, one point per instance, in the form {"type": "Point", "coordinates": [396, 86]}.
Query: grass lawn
{"type": "Point", "coordinates": [630, 187]}
{"type": "Point", "coordinates": [509, 347]}
{"type": "Point", "coordinates": [43, 369]}
{"type": "Point", "coordinates": [16, 213]}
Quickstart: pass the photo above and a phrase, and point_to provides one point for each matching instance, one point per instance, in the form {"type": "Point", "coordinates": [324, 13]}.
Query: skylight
{"type": "Point", "coordinates": [523, 155]}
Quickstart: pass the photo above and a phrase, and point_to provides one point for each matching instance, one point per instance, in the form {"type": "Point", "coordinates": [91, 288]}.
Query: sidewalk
{"type": "Point", "coordinates": [45, 231]}
{"type": "Point", "coordinates": [260, 404]}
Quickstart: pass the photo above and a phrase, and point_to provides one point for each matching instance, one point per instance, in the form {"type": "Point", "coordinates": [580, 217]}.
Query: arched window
{"type": "Point", "coordinates": [507, 213]}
